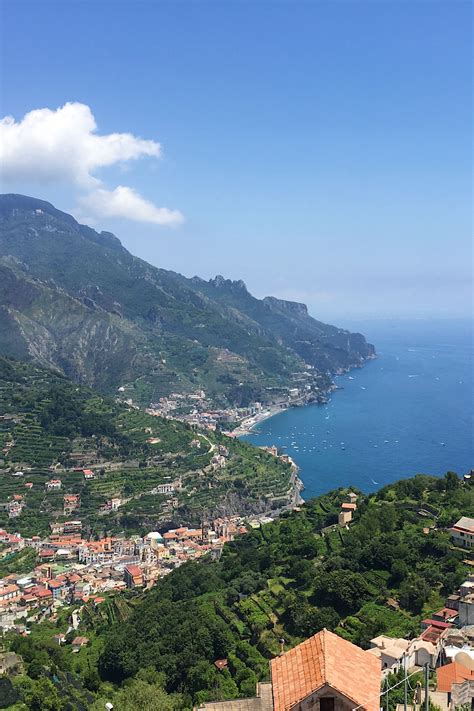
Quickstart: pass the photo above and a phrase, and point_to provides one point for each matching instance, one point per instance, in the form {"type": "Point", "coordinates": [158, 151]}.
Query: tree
{"type": "Point", "coordinates": [35, 669]}
{"type": "Point", "coordinates": [92, 680]}
{"type": "Point", "coordinates": [452, 481]}
{"type": "Point", "coordinates": [43, 696]}
{"type": "Point", "coordinates": [302, 571]}
{"type": "Point", "coordinates": [414, 592]}
{"type": "Point", "coordinates": [137, 694]}
{"type": "Point", "coordinates": [388, 519]}
{"type": "Point", "coordinates": [399, 572]}
{"type": "Point", "coordinates": [342, 589]}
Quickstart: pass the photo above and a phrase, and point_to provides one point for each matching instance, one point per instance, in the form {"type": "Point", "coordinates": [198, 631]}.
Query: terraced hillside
{"type": "Point", "coordinates": [392, 567]}
{"type": "Point", "coordinates": [154, 469]}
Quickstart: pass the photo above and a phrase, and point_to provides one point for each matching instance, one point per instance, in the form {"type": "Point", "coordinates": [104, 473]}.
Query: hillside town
{"type": "Point", "coordinates": [70, 570]}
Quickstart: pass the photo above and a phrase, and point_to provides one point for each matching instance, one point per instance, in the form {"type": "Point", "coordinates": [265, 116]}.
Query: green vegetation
{"type": "Point", "coordinates": [51, 428]}
{"type": "Point", "coordinates": [19, 562]}
{"type": "Point", "coordinates": [84, 305]}
{"type": "Point", "coordinates": [287, 579]}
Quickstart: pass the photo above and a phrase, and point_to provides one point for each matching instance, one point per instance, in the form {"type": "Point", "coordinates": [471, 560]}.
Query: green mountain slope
{"type": "Point", "coordinates": [324, 347]}
{"type": "Point", "coordinates": [51, 428]}
{"type": "Point", "coordinates": [78, 301]}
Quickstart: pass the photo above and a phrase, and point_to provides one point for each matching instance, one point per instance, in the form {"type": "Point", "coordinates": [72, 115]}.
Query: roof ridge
{"type": "Point", "coordinates": [323, 649]}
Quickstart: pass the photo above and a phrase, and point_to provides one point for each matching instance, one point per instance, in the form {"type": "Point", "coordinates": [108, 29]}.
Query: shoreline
{"type": "Point", "coordinates": [247, 425]}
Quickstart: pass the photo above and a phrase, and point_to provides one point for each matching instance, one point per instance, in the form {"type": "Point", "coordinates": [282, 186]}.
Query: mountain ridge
{"type": "Point", "coordinates": [151, 329]}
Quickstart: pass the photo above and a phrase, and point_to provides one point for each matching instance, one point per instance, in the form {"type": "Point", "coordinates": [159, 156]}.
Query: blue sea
{"type": "Point", "coordinates": [409, 411]}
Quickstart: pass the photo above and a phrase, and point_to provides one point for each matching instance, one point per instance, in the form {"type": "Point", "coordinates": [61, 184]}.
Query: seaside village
{"type": "Point", "coordinates": [197, 409]}
{"type": "Point", "coordinates": [324, 670]}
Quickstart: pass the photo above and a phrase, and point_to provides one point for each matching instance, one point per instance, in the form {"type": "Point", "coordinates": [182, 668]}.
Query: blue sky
{"type": "Point", "coordinates": [320, 151]}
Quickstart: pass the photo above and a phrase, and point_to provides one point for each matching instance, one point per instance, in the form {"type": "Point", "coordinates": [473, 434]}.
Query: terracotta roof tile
{"type": "Point", "coordinates": [451, 674]}
{"type": "Point", "coordinates": [323, 659]}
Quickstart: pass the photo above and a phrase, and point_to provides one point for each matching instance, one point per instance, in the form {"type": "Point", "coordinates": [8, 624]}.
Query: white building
{"type": "Point", "coordinates": [165, 488]}
{"type": "Point", "coordinates": [395, 653]}
{"type": "Point", "coordinates": [462, 532]}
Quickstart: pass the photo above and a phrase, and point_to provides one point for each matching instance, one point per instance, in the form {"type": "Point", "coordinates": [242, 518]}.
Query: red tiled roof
{"type": "Point", "coordinates": [451, 674]}
{"type": "Point", "coordinates": [79, 641]}
{"type": "Point", "coordinates": [446, 612]}
{"type": "Point", "coordinates": [431, 634]}
{"type": "Point", "coordinates": [323, 659]}
{"type": "Point", "coordinates": [437, 623]}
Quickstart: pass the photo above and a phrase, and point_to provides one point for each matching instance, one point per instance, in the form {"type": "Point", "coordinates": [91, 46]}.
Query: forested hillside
{"type": "Point", "coordinates": [393, 566]}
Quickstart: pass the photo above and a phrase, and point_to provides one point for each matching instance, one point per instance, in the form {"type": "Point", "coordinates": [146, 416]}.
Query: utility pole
{"type": "Point", "coordinates": [427, 692]}
{"type": "Point", "coordinates": [405, 687]}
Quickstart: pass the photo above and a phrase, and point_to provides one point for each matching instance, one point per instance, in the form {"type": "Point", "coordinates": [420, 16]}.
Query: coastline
{"type": "Point", "coordinates": [249, 424]}
{"type": "Point", "coordinates": [369, 444]}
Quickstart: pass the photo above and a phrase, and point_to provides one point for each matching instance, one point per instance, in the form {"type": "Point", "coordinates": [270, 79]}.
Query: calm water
{"type": "Point", "coordinates": [409, 411]}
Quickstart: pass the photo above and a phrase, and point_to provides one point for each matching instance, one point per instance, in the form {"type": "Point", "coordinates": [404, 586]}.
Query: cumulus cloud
{"type": "Point", "coordinates": [127, 203]}
{"type": "Point", "coordinates": [63, 146]}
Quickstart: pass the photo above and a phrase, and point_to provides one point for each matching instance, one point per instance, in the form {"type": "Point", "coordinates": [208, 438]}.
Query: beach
{"type": "Point", "coordinates": [249, 424]}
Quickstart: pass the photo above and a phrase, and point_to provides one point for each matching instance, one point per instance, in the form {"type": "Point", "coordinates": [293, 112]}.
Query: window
{"type": "Point", "coordinates": [326, 703]}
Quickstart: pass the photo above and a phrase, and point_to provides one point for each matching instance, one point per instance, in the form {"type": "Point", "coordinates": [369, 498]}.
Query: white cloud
{"type": "Point", "coordinates": [124, 202]}
{"type": "Point", "coordinates": [60, 145]}
{"type": "Point", "coordinates": [63, 146]}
